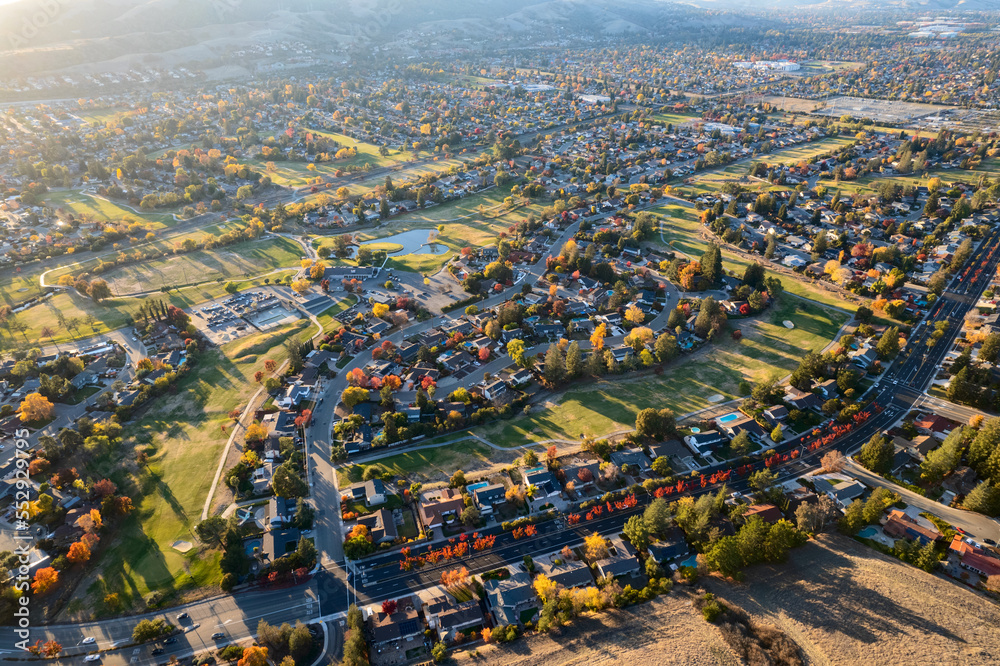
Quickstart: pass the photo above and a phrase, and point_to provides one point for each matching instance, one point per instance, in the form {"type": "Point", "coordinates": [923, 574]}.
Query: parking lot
{"type": "Point", "coordinates": [232, 317]}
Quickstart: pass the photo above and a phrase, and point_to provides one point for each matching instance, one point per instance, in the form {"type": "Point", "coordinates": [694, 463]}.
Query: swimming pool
{"type": "Point", "coordinates": [695, 430]}
{"type": "Point", "coordinates": [868, 533]}
{"type": "Point", "coordinates": [476, 486]}
{"type": "Point", "coordinates": [690, 562]}
{"type": "Point", "coordinates": [251, 544]}
{"type": "Point", "coordinates": [728, 417]}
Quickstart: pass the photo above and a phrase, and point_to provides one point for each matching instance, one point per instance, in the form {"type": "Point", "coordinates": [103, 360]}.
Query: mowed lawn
{"type": "Point", "coordinates": [101, 210]}
{"type": "Point", "coordinates": [767, 350]}
{"type": "Point", "coordinates": [680, 231]}
{"type": "Point", "coordinates": [806, 151]}
{"type": "Point", "coordinates": [183, 433]}
{"type": "Point", "coordinates": [423, 465]}
{"type": "Point", "coordinates": [242, 260]}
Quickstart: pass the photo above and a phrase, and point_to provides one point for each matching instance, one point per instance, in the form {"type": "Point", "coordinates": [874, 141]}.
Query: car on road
{"type": "Point", "coordinates": [182, 617]}
{"type": "Point", "coordinates": [157, 651]}
{"type": "Point", "coordinates": [990, 542]}
{"type": "Point", "coordinates": [218, 636]}
{"type": "Point", "coordinates": [89, 640]}
{"type": "Point", "coordinates": [92, 657]}
{"type": "Point", "coordinates": [172, 639]}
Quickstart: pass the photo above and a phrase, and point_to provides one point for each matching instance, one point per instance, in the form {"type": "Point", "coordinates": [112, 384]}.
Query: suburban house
{"type": "Point", "coordinates": [278, 543]}
{"type": "Point", "coordinates": [767, 512]}
{"type": "Point", "coordinates": [489, 497]}
{"type": "Point", "coordinates": [568, 574]}
{"type": "Point", "coordinates": [901, 526]}
{"type": "Point", "coordinates": [380, 525]}
{"type": "Point", "coordinates": [843, 494]}
{"type": "Point", "coordinates": [449, 618]}
{"type": "Point", "coordinates": [401, 625]}
{"type": "Point", "coordinates": [775, 415]}
{"type": "Point", "coordinates": [375, 492]}
{"type": "Point", "coordinates": [671, 547]}
{"type": "Point", "coordinates": [633, 458]}
{"type": "Point", "coordinates": [704, 442]}
{"type": "Point", "coordinates": [512, 601]}
{"type": "Point", "coordinates": [544, 482]}
{"type": "Point", "coordinates": [743, 424]}
{"type": "Point", "coordinates": [448, 503]}
{"type": "Point", "coordinates": [617, 566]}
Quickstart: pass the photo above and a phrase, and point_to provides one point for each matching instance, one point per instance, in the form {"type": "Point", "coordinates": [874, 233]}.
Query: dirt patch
{"type": "Point", "coordinates": [844, 603]}
{"type": "Point", "coordinates": [668, 630]}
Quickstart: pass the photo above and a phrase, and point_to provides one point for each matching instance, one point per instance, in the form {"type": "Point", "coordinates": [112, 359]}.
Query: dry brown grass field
{"type": "Point", "coordinates": [841, 602]}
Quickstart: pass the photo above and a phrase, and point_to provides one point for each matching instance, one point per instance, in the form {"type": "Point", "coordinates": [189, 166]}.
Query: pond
{"type": "Point", "coordinates": [415, 241]}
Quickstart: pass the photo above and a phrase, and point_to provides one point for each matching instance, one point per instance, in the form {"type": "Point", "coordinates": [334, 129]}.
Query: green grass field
{"type": "Point", "coordinates": [423, 465]}
{"type": "Point", "coordinates": [807, 151]}
{"type": "Point", "coordinates": [767, 350]}
{"type": "Point", "coordinates": [101, 210]}
{"type": "Point", "coordinates": [675, 118]}
{"type": "Point", "coordinates": [183, 431]}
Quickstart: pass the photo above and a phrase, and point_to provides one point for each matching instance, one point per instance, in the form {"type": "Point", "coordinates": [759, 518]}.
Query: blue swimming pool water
{"type": "Point", "coordinates": [476, 486]}
{"type": "Point", "coordinates": [868, 532]}
{"type": "Point", "coordinates": [690, 562]}
{"type": "Point", "coordinates": [696, 430]}
{"type": "Point", "coordinates": [250, 545]}
{"type": "Point", "coordinates": [728, 417]}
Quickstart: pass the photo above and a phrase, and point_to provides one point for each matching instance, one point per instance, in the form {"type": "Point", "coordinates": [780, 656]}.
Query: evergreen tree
{"type": "Point", "coordinates": [574, 360]}
{"type": "Point", "coordinates": [555, 366]}
{"type": "Point", "coordinates": [711, 264]}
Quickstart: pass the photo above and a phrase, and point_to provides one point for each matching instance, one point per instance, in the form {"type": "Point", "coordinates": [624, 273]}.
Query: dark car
{"type": "Point", "coordinates": [990, 542]}
{"type": "Point", "coordinates": [217, 636]}
{"type": "Point", "coordinates": [168, 641]}
{"type": "Point", "coordinates": [182, 617]}
{"type": "Point", "coordinates": [158, 651]}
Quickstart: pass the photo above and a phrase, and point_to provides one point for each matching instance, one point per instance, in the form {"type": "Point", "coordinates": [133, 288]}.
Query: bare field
{"type": "Point", "coordinates": [668, 630]}
{"type": "Point", "coordinates": [844, 603]}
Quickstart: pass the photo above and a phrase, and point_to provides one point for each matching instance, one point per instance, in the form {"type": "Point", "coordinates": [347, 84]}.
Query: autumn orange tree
{"type": "Point", "coordinates": [45, 579]}
{"type": "Point", "coordinates": [455, 577]}
{"type": "Point", "coordinates": [78, 553]}
{"type": "Point", "coordinates": [36, 407]}
{"type": "Point", "coordinates": [253, 656]}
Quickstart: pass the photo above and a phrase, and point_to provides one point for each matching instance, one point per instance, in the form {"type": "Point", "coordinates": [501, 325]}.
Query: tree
{"type": "Point", "coordinates": [515, 349]}
{"type": "Point", "coordinates": [637, 532]}
{"type": "Point", "coordinates": [555, 367]}
{"type": "Point", "coordinates": [741, 444]}
{"type": "Point", "coordinates": [777, 435]}
{"type": "Point", "coordinates": [574, 362]}
{"type": "Point", "coordinates": [725, 557]}
{"type": "Point", "coordinates": [984, 499]}
{"type": "Point", "coordinates": [99, 290]}
{"type": "Point", "coordinates": [596, 547]}
{"type": "Point", "coordinates": [78, 553]}
{"type": "Point", "coordinates": [470, 516]}
{"type": "Point", "coordinates": [45, 579]}
{"type": "Point", "coordinates": [762, 480]}
{"type": "Point", "coordinates": [353, 396]}
{"type": "Point", "coordinates": [876, 454]}
{"type": "Point", "coordinates": [711, 264]}
{"type": "Point", "coordinates": [440, 651]}
{"type": "Point", "coordinates": [657, 424]}
{"type": "Point", "coordinates": [657, 516]}
{"type": "Point", "coordinates": [666, 348]}
{"type": "Point", "coordinates": [944, 459]}
{"type": "Point", "coordinates": [545, 588]}
{"type": "Point", "coordinates": [597, 337]}
{"type": "Point", "coordinates": [253, 656]}
{"type": "Point", "coordinates": [853, 519]}
{"type": "Point", "coordinates": [811, 517]}
{"type": "Point", "coordinates": [36, 408]}
{"type": "Point", "coordinates": [662, 466]}
{"type": "Point", "coordinates": [149, 630]}
{"type": "Point", "coordinates": [287, 483]}
{"type": "Point", "coordinates": [832, 461]}
{"type": "Point", "coordinates": [458, 479]}
{"type": "Point", "coordinates": [635, 315]}
{"type": "Point", "coordinates": [888, 344]}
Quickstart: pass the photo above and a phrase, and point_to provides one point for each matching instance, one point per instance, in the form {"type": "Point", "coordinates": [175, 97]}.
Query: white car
{"type": "Point", "coordinates": [92, 657]}
{"type": "Point", "coordinates": [89, 640]}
